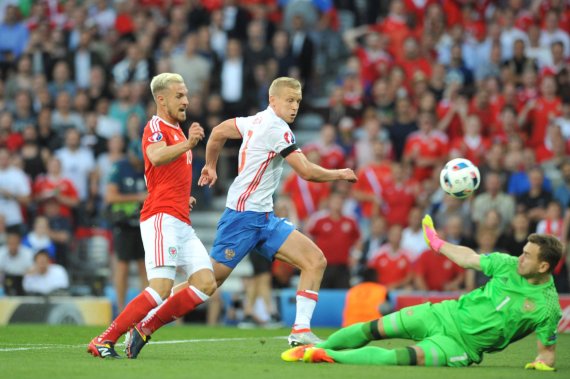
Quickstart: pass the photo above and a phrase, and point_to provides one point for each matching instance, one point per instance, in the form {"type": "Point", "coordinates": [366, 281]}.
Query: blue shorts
{"type": "Point", "coordinates": [241, 232]}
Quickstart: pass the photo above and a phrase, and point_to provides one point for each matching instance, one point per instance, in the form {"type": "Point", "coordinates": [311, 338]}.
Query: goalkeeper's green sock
{"type": "Point", "coordinates": [372, 355]}
{"type": "Point", "coordinates": [352, 337]}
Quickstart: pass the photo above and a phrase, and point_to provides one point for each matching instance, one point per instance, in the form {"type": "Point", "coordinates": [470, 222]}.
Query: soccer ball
{"type": "Point", "coordinates": [459, 178]}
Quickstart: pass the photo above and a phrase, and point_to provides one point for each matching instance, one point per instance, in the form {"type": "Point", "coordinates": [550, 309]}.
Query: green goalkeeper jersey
{"type": "Point", "coordinates": [505, 309]}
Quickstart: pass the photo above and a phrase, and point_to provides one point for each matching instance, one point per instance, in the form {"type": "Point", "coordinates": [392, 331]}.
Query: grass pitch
{"type": "Point", "coordinates": [195, 351]}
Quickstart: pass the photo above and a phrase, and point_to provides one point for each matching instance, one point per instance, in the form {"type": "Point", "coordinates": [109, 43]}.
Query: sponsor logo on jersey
{"type": "Point", "coordinates": [176, 137]}
{"type": "Point", "coordinates": [172, 251]}
{"type": "Point", "coordinates": [289, 137]}
{"type": "Point", "coordinates": [156, 137]}
{"type": "Point", "coordinates": [230, 254]}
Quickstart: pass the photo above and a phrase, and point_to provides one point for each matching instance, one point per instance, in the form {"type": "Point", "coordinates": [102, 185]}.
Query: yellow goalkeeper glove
{"type": "Point", "coordinates": [539, 366]}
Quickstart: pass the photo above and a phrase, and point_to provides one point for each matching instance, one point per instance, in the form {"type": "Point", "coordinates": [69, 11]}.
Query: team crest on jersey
{"type": "Point", "coordinates": [528, 305]}
{"type": "Point", "coordinates": [230, 254]}
{"type": "Point", "coordinates": [172, 251]}
{"type": "Point", "coordinates": [289, 137]}
{"type": "Point", "coordinates": [156, 137]}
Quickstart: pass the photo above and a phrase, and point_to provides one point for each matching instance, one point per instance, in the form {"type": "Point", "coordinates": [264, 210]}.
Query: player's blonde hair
{"type": "Point", "coordinates": [283, 82]}
{"type": "Point", "coordinates": [162, 81]}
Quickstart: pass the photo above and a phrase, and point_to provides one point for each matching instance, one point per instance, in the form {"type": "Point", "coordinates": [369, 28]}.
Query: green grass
{"type": "Point", "coordinates": [59, 352]}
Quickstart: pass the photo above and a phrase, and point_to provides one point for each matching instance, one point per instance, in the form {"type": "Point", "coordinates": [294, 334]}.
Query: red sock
{"type": "Point", "coordinates": [134, 312]}
{"type": "Point", "coordinates": [176, 306]}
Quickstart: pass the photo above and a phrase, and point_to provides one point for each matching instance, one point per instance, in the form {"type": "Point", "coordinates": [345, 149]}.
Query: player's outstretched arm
{"type": "Point", "coordinates": [461, 255]}
{"type": "Point", "coordinates": [315, 173]}
{"type": "Point", "coordinates": [545, 359]}
{"type": "Point", "coordinates": [220, 134]}
{"type": "Point", "coordinates": [159, 153]}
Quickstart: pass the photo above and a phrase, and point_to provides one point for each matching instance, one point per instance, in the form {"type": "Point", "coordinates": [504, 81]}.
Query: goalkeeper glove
{"type": "Point", "coordinates": [539, 366]}
{"type": "Point", "coordinates": [430, 235]}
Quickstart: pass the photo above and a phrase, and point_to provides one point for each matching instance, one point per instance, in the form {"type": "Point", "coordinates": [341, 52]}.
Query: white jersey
{"type": "Point", "coordinates": [265, 136]}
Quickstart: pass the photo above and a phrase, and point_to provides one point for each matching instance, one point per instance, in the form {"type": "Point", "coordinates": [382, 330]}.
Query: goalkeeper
{"type": "Point", "coordinates": [519, 299]}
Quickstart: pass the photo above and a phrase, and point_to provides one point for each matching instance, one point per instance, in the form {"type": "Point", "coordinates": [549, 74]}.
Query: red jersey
{"type": "Point", "coordinates": [391, 268]}
{"type": "Point", "coordinates": [436, 270]}
{"type": "Point", "coordinates": [474, 149]}
{"type": "Point", "coordinates": [543, 110]}
{"type": "Point", "coordinates": [306, 196]}
{"type": "Point", "coordinates": [432, 145]}
{"type": "Point", "coordinates": [335, 237]}
{"type": "Point", "coordinates": [46, 187]}
{"type": "Point", "coordinates": [169, 186]}
{"type": "Point", "coordinates": [370, 180]}
{"type": "Point", "coordinates": [399, 199]}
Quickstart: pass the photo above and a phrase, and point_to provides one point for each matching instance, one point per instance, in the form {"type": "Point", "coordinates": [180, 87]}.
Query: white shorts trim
{"type": "Point", "coordinates": [171, 243]}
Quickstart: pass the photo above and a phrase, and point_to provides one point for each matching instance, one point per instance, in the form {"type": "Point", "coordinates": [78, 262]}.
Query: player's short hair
{"type": "Point", "coordinates": [283, 82]}
{"type": "Point", "coordinates": [550, 249]}
{"type": "Point", "coordinates": [162, 81]}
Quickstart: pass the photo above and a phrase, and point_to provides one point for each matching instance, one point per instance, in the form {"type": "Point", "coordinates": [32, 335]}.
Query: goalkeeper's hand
{"type": "Point", "coordinates": [430, 235]}
{"type": "Point", "coordinates": [539, 366]}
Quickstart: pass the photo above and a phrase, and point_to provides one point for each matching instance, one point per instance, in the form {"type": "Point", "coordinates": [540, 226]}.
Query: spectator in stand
{"type": "Point", "coordinates": [64, 117]}
{"type": "Point", "coordinates": [374, 59]}
{"type": "Point", "coordinates": [106, 161]}
{"type": "Point", "coordinates": [547, 106]}
{"type": "Point", "coordinates": [332, 155]}
{"type": "Point", "coordinates": [371, 178]}
{"type": "Point", "coordinates": [3, 234]}
{"type": "Point", "coordinates": [60, 230]}
{"type": "Point", "coordinates": [61, 81]}
{"type": "Point", "coordinates": [125, 105]}
{"type": "Point", "coordinates": [14, 192]}
{"type": "Point", "coordinates": [399, 193]}
{"type": "Point", "coordinates": [302, 49]}
{"type": "Point", "coordinates": [33, 156]}
{"type": "Point", "coordinates": [434, 272]}
{"type": "Point", "coordinates": [513, 241]}
{"type": "Point", "coordinates": [370, 131]}
{"type": "Point", "coordinates": [472, 145]}
{"type": "Point", "coordinates": [452, 111]}
{"type": "Point", "coordinates": [77, 163]}
{"type": "Point", "coordinates": [38, 239]}
{"type": "Point", "coordinates": [133, 67]}
{"type": "Point", "coordinates": [54, 186]}
{"type": "Point", "coordinates": [9, 138]}
{"type": "Point", "coordinates": [452, 207]}
{"type": "Point", "coordinates": [520, 62]}
{"type": "Point", "coordinates": [493, 198]}
{"type": "Point", "coordinates": [391, 262]}
{"type": "Point", "coordinates": [194, 68]}
{"type": "Point", "coordinates": [82, 59]}
{"type": "Point", "coordinates": [377, 237]}
{"type": "Point", "coordinates": [552, 33]}
{"type": "Point", "coordinates": [306, 197]}
{"type": "Point", "coordinates": [23, 112]}
{"type": "Point", "coordinates": [535, 201]}
{"type": "Point", "coordinates": [404, 125]}
{"type": "Point", "coordinates": [45, 278]}
{"type": "Point", "coordinates": [541, 53]}
{"type": "Point", "coordinates": [486, 243]}
{"type": "Point", "coordinates": [426, 148]}
{"type": "Point", "coordinates": [15, 261]}
{"type": "Point", "coordinates": [412, 240]}
{"type": "Point", "coordinates": [336, 235]}
{"type": "Point", "coordinates": [562, 190]}
{"type": "Point", "coordinates": [14, 39]}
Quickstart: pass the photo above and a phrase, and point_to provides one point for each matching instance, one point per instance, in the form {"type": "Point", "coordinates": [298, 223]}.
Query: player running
{"type": "Point", "coordinates": [168, 237]}
{"type": "Point", "coordinates": [248, 223]}
{"type": "Point", "coordinates": [519, 299]}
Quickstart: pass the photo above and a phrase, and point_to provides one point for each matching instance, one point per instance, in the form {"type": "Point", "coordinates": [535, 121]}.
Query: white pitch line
{"type": "Point", "coordinates": [27, 346]}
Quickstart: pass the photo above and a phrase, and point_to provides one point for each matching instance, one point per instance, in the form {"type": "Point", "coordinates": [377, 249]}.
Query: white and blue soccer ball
{"type": "Point", "coordinates": [459, 178]}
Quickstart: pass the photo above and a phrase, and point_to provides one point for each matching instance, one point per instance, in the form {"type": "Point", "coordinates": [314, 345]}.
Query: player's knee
{"type": "Point", "coordinates": [316, 261]}
{"type": "Point", "coordinates": [205, 283]}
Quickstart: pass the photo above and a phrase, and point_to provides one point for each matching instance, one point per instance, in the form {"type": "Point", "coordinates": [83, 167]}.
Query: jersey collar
{"type": "Point", "coordinates": [167, 123]}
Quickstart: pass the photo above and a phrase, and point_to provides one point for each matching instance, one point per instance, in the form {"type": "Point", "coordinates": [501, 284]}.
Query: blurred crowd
{"type": "Point", "coordinates": [398, 88]}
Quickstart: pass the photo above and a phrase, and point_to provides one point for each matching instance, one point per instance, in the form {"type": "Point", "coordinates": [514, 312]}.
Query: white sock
{"type": "Point", "coordinates": [306, 303]}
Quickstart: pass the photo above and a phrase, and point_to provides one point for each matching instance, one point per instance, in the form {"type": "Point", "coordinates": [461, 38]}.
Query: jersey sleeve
{"type": "Point", "coordinates": [547, 331]}
{"type": "Point", "coordinates": [240, 123]}
{"type": "Point", "coordinates": [496, 263]}
{"type": "Point", "coordinates": [281, 140]}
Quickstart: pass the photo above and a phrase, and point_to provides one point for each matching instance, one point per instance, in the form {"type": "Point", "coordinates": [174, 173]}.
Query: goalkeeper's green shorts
{"type": "Point", "coordinates": [437, 335]}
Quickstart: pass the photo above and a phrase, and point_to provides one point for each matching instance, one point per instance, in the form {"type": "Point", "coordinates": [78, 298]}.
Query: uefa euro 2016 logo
{"type": "Point", "coordinates": [289, 137]}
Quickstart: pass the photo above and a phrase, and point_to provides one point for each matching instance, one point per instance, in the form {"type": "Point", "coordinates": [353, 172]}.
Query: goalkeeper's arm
{"type": "Point", "coordinates": [545, 359]}
{"type": "Point", "coordinates": [461, 255]}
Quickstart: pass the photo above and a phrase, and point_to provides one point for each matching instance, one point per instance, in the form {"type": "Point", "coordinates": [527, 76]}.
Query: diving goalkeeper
{"type": "Point", "coordinates": [519, 299]}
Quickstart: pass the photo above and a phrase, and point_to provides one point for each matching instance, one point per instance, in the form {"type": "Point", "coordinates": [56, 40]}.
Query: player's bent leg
{"type": "Point", "coordinates": [204, 281]}
{"type": "Point", "coordinates": [443, 350]}
{"type": "Point", "coordinates": [221, 272]}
